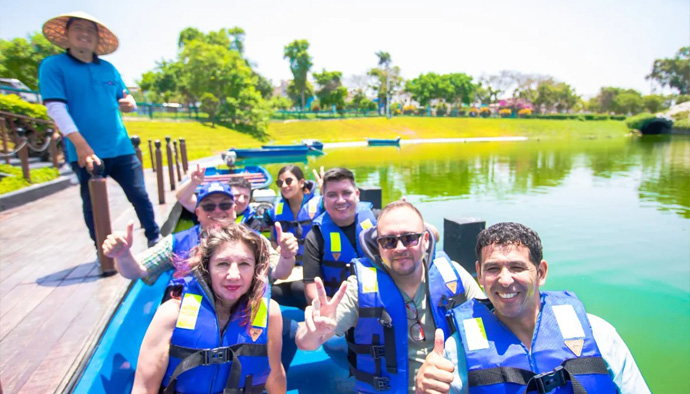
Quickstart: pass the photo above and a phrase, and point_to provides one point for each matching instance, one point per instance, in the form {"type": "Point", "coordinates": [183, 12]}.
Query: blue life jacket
{"type": "Point", "coordinates": [378, 343]}
{"type": "Point", "coordinates": [498, 362]}
{"type": "Point", "coordinates": [338, 252]}
{"type": "Point", "coordinates": [248, 218]}
{"type": "Point", "coordinates": [185, 241]}
{"type": "Point", "coordinates": [301, 225]}
{"type": "Point", "coordinates": [237, 362]}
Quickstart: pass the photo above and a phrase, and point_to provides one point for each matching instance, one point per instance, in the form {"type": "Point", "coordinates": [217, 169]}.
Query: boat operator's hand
{"type": "Point", "coordinates": [436, 374]}
{"type": "Point", "coordinates": [119, 243]}
{"type": "Point", "coordinates": [287, 242]}
{"type": "Point", "coordinates": [126, 103]}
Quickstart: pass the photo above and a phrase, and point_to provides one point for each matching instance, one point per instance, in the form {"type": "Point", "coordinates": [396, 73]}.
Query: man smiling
{"type": "Point", "coordinates": [84, 95]}
{"type": "Point", "coordinates": [215, 207]}
{"type": "Point", "coordinates": [522, 339]}
{"type": "Point", "coordinates": [392, 305]}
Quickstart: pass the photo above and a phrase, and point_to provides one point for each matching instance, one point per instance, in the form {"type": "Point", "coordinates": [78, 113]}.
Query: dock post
{"type": "Point", "coordinates": [5, 141]}
{"type": "Point", "coordinates": [23, 154]}
{"type": "Point", "coordinates": [371, 194]}
{"type": "Point", "coordinates": [183, 152]}
{"type": "Point", "coordinates": [98, 189]}
{"type": "Point", "coordinates": [169, 155]}
{"type": "Point", "coordinates": [177, 161]}
{"type": "Point", "coordinates": [159, 173]}
{"type": "Point", "coordinates": [153, 164]}
{"type": "Point", "coordinates": [460, 239]}
{"type": "Point", "coordinates": [136, 141]}
{"type": "Point", "coordinates": [53, 147]}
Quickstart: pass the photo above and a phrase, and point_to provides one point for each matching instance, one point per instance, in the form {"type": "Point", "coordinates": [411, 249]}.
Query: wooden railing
{"type": "Point", "coordinates": [23, 134]}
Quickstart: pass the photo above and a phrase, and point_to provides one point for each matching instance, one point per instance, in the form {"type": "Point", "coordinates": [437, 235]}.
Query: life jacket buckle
{"type": "Point", "coordinates": [548, 381]}
{"type": "Point", "coordinates": [377, 351]}
{"type": "Point", "coordinates": [216, 356]}
{"type": "Point", "coordinates": [382, 383]}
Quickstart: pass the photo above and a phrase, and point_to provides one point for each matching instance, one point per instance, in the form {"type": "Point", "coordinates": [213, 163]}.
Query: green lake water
{"type": "Point", "coordinates": [613, 215]}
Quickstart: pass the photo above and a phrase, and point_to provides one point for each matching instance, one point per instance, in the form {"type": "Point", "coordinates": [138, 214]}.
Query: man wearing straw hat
{"type": "Point", "coordinates": [84, 96]}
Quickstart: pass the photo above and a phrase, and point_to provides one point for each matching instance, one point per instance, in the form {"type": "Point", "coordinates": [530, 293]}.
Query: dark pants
{"type": "Point", "coordinates": [128, 172]}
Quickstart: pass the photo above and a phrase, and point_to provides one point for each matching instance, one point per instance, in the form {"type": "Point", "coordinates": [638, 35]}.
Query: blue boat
{"type": "Point", "coordinates": [256, 175]}
{"type": "Point", "coordinates": [112, 366]}
{"type": "Point", "coordinates": [383, 141]}
{"type": "Point", "coordinates": [260, 152]}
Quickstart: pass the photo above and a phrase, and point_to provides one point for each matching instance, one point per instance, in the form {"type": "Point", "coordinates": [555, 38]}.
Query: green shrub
{"type": "Point", "coordinates": [12, 103]}
{"type": "Point", "coordinates": [17, 181]}
{"type": "Point", "coordinates": [682, 125]}
{"type": "Point", "coordinates": [618, 117]}
{"type": "Point", "coordinates": [636, 122]}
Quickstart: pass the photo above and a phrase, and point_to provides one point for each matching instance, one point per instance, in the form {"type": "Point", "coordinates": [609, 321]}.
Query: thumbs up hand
{"type": "Point", "coordinates": [119, 242]}
{"type": "Point", "coordinates": [126, 103]}
{"type": "Point", "coordinates": [437, 372]}
{"type": "Point", "coordinates": [287, 242]}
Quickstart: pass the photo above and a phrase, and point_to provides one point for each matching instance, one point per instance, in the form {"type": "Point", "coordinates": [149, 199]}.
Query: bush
{"type": "Point", "coordinates": [505, 112]}
{"type": "Point", "coordinates": [12, 103]}
{"type": "Point", "coordinates": [638, 121]}
{"type": "Point", "coordinates": [682, 125]}
{"type": "Point", "coordinates": [525, 113]}
{"type": "Point", "coordinates": [484, 112]}
{"type": "Point", "coordinates": [409, 110]}
{"type": "Point", "coordinates": [441, 109]}
{"type": "Point", "coordinates": [474, 112]}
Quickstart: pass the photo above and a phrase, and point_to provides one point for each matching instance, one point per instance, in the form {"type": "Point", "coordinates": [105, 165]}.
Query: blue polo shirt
{"type": "Point", "coordinates": [91, 91]}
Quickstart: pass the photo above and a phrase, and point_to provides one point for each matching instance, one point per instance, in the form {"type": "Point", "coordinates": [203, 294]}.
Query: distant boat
{"type": "Point", "coordinates": [657, 125]}
{"type": "Point", "coordinates": [300, 150]}
{"type": "Point", "coordinates": [383, 141]}
{"type": "Point", "coordinates": [256, 175]}
{"type": "Point", "coordinates": [313, 145]}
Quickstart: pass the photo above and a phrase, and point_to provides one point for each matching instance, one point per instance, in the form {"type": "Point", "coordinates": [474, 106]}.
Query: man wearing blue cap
{"type": "Point", "coordinates": [214, 208]}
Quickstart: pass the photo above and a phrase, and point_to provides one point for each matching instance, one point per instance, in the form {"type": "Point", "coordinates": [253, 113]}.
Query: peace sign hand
{"type": "Point", "coordinates": [320, 317]}
{"type": "Point", "coordinates": [319, 178]}
{"type": "Point", "coordinates": [197, 176]}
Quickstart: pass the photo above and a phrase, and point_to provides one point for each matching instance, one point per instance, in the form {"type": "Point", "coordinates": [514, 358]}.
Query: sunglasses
{"type": "Point", "coordinates": [288, 181]}
{"type": "Point", "coordinates": [416, 329]}
{"type": "Point", "coordinates": [224, 206]}
{"type": "Point", "coordinates": [391, 241]}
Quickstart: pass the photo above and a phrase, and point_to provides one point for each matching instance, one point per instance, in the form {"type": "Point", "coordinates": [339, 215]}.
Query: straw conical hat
{"type": "Point", "coordinates": [55, 32]}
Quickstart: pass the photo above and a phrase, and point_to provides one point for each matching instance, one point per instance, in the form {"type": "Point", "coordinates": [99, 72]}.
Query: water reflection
{"type": "Point", "coordinates": [503, 170]}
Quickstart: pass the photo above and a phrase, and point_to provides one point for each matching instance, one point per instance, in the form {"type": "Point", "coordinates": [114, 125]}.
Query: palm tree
{"type": "Point", "coordinates": [385, 60]}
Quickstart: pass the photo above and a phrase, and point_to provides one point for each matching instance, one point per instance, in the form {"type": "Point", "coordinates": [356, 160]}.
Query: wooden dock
{"type": "Point", "coordinates": [53, 303]}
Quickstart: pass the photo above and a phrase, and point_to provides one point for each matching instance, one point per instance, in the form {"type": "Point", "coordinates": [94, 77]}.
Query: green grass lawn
{"type": "Point", "coordinates": [204, 140]}
{"type": "Point", "coordinates": [16, 181]}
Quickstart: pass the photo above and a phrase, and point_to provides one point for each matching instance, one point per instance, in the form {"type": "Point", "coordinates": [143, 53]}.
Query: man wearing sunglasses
{"type": "Point", "coordinates": [241, 189]}
{"type": "Point", "coordinates": [215, 207]}
{"type": "Point", "coordinates": [392, 305]}
{"type": "Point", "coordinates": [522, 339]}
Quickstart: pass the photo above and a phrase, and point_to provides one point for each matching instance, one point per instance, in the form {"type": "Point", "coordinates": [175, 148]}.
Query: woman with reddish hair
{"type": "Point", "coordinates": [223, 331]}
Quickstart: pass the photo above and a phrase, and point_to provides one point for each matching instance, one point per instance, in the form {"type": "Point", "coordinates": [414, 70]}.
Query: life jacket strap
{"type": "Point", "coordinates": [543, 382]}
{"type": "Point", "coordinates": [192, 358]}
{"type": "Point", "coordinates": [379, 383]}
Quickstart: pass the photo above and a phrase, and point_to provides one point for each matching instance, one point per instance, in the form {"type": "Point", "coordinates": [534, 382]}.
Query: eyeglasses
{"type": "Point", "coordinates": [416, 330]}
{"type": "Point", "coordinates": [391, 241]}
{"type": "Point", "coordinates": [224, 206]}
{"type": "Point", "coordinates": [288, 181]}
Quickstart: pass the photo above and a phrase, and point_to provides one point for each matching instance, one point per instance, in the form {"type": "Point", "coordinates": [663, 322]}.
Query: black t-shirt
{"type": "Point", "coordinates": [313, 250]}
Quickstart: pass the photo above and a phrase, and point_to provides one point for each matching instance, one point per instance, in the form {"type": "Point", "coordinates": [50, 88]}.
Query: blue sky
{"type": "Point", "coordinates": [585, 43]}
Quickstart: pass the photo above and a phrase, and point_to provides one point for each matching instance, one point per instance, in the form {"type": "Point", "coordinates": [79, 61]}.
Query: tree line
{"type": "Point", "coordinates": [211, 69]}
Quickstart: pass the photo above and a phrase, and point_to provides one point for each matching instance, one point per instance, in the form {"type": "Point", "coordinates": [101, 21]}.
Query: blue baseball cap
{"type": "Point", "coordinates": [213, 188]}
